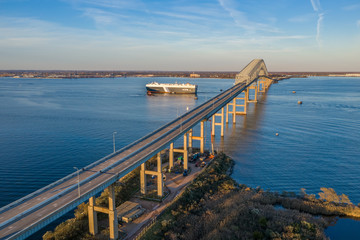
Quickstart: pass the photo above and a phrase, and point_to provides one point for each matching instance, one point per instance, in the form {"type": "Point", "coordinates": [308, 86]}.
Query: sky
{"type": "Point", "coordinates": [179, 35]}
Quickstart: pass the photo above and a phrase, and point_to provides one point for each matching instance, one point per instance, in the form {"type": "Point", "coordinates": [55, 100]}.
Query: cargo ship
{"type": "Point", "coordinates": [182, 88]}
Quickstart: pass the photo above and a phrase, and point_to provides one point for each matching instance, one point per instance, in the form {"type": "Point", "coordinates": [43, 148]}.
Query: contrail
{"type": "Point", "coordinates": [320, 19]}
{"type": "Point", "coordinates": [317, 7]}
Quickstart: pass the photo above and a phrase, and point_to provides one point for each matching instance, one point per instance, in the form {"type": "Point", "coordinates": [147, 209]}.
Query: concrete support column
{"type": "Point", "coordinates": [190, 140]}
{"type": "Point", "coordinates": [244, 105]}
{"type": "Point", "coordinates": [202, 136]}
{"type": "Point", "coordinates": [227, 113]}
{"type": "Point", "coordinates": [92, 215]}
{"type": "Point", "coordinates": [256, 92]}
{"type": "Point", "coordinates": [185, 153]}
{"type": "Point", "coordinates": [255, 87]}
{"type": "Point", "coordinates": [234, 110]}
{"type": "Point", "coordinates": [222, 122]}
{"type": "Point", "coordinates": [142, 179]}
{"type": "Point", "coordinates": [113, 221]}
{"type": "Point", "coordinates": [213, 126]}
{"type": "Point", "coordinates": [259, 82]}
{"type": "Point", "coordinates": [159, 176]}
{"type": "Point", "coordinates": [262, 85]}
{"type": "Point", "coordinates": [171, 156]}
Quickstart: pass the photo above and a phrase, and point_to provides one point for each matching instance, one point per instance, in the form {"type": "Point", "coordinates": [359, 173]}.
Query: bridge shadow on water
{"type": "Point", "coordinates": [241, 140]}
{"type": "Point", "coordinates": [241, 136]}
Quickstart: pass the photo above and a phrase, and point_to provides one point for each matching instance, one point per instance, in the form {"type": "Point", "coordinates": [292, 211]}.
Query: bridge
{"type": "Point", "coordinates": [29, 214]}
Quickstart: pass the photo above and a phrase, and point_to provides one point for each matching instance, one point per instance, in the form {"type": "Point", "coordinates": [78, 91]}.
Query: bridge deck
{"type": "Point", "coordinates": [26, 216]}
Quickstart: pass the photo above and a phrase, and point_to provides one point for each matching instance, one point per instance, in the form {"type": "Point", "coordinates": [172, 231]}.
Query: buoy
{"type": "Point", "coordinates": [195, 98]}
{"type": "Point", "coordinates": [299, 102]}
{"type": "Point", "coordinates": [294, 91]}
{"type": "Point", "coordinates": [277, 134]}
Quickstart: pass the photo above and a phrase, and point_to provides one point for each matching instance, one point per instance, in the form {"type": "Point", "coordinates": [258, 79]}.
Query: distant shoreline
{"type": "Point", "coordinates": [144, 74]}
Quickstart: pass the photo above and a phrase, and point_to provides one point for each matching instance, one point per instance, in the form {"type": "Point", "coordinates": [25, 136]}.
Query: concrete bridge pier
{"type": "Point", "coordinates": [113, 221]}
{"type": "Point", "coordinates": [190, 134]}
{"type": "Point", "coordinates": [184, 151]}
{"type": "Point", "coordinates": [267, 82]}
{"type": "Point", "coordinates": [256, 88]}
{"type": "Point", "coordinates": [228, 112]}
{"type": "Point", "coordinates": [199, 138]}
{"type": "Point", "coordinates": [92, 215]}
{"type": "Point", "coordinates": [245, 100]}
{"type": "Point", "coordinates": [264, 83]}
{"type": "Point", "coordinates": [171, 156]}
{"type": "Point", "coordinates": [142, 179]}
{"type": "Point", "coordinates": [221, 123]}
{"type": "Point", "coordinates": [159, 179]}
{"type": "Point", "coordinates": [158, 173]}
{"type": "Point", "coordinates": [111, 211]}
{"type": "Point", "coordinates": [185, 157]}
{"type": "Point", "coordinates": [234, 104]}
{"type": "Point", "coordinates": [261, 84]}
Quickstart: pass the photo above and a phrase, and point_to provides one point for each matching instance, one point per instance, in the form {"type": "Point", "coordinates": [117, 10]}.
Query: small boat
{"type": "Point", "coordinates": [182, 88]}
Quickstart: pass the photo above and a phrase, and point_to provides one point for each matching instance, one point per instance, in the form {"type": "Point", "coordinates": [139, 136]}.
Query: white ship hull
{"type": "Point", "coordinates": [171, 88]}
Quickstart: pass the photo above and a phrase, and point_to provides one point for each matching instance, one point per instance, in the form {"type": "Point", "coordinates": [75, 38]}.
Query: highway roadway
{"type": "Point", "coordinates": [20, 219]}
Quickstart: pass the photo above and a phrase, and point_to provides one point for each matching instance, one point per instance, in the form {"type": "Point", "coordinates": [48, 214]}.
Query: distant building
{"type": "Point", "coordinates": [353, 74]}
{"type": "Point", "coordinates": [345, 75]}
{"type": "Point", "coordinates": [194, 75]}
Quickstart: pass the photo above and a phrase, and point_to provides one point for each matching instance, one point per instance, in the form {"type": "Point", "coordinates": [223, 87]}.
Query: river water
{"type": "Point", "coordinates": [50, 126]}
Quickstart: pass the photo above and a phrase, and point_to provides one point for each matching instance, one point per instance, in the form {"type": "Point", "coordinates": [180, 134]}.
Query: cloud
{"type": "Point", "coordinates": [302, 18]}
{"type": "Point", "coordinates": [112, 4]}
{"type": "Point", "coordinates": [317, 8]}
{"type": "Point", "coordinates": [241, 19]}
{"type": "Point", "coordinates": [180, 16]}
{"type": "Point", "coordinates": [351, 7]}
{"type": "Point", "coordinates": [27, 32]}
{"type": "Point", "coordinates": [100, 17]}
{"type": "Point", "coordinates": [316, 5]}
{"type": "Point", "coordinates": [318, 29]}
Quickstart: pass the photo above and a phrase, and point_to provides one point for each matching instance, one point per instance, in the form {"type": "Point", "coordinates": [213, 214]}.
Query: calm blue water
{"type": "Point", "coordinates": [48, 126]}
{"type": "Point", "coordinates": [318, 143]}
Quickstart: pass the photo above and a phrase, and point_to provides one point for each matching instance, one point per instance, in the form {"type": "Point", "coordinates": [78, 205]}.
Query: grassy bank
{"type": "Point", "coordinates": [214, 206]}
